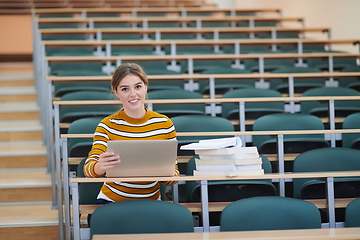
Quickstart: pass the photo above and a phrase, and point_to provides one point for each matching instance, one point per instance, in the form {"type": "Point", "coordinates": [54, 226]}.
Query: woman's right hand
{"type": "Point", "coordinates": [106, 161]}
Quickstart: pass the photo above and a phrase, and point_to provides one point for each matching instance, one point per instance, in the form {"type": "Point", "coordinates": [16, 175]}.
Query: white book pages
{"type": "Point", "coordinates": [213, 144]}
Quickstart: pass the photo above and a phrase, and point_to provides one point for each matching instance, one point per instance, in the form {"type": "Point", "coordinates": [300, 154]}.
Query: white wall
{"type": "Point", "coordinates": [342, 16]}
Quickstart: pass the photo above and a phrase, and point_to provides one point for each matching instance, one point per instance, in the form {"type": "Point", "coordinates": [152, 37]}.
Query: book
{"type": "Point", "coordinates": [229, 156]}
{"type": "Point", "coordinates": [230, 167]}
{"type": "Point", "coordinates": [228, 151]}
{"type": "Point", "coordinates": [245, 161]}
{"type": "Point", "coordinates": [213, 144]}
{"type": "Point", "coordinates": [229, 173]}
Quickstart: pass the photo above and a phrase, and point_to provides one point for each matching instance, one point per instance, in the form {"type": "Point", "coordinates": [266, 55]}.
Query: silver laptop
{"type": "Point", "coordinates": [144, 158]}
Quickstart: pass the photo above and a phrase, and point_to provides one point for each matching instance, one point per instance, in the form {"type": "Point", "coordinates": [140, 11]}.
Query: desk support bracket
{"type": "Point", "coordinates": [205, 205]}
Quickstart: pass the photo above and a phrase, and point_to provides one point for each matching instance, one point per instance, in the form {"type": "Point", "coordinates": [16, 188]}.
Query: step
{"type": "Point", "coordinates": [16, 66]}
{"type": "Point", "coordinates": [18, 94]}
{"type": "Point", "coordinates": [10, 111]}
{"type": "Point", "coordinates": [25, 185]}
{"type": "Point", "coordinates": [12, 131]}
{"type": "Point", "coordinates": [23, 155]}
{"type": "Point", "coordinates": [30, 221]}
{"type": "Point", "coordinates": [16, 79]}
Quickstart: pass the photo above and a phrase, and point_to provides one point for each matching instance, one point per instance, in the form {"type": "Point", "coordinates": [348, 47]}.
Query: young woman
{"type": "Point", "coordinates": [129, 84]}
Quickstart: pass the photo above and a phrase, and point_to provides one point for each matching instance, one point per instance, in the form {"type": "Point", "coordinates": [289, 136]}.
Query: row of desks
{"type": "Point", "coordinates": [328, 176]}
{"type": "Point", "coordinates": [314, 234]}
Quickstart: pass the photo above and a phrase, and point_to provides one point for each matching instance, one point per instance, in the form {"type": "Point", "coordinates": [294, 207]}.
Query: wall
{"type": "Point", "coordinates": [342, 16]}
{"type": "Point", "coordinates": [16, 35]}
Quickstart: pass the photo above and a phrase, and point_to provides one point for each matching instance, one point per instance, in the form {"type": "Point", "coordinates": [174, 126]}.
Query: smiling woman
{"type": "Point", "coordinates": [133, 122]}
{"type": "Point", "coordinates": [131, 92]}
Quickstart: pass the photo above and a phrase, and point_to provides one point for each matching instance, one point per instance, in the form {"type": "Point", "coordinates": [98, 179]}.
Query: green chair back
{"type": "Point", "coordinates": [71, 113]}
{"type": "Point", "coordinates": [320, 109]}
{"type": "Point", "coordinates": [323, 160]}
{"type": "Point", "coordinates": [352, 212]}
{"type": "Point", "coordinates": [141, 216]}
{"type": "Point", "coordinates": [269, 213]}
{"type": "Point", "coordinates": [86, 69]}
{"type": "Point", "coordinates": [253, 110]}
{"type": "Point", "coordinates": [199, 123]}
{"type": "Point", "coordinates": [88, 192]}
{"type": "Point", "coordinates": [173, 110]}
{"type": "Point", "coordinates": [293, 143]}
{"type": "Point", "coordinates": [351, 140]}
{"type": "Point", "coordinates": [300, 85]}
{"type": "Point", "coordinates": [69, 51]}
{"type": "Point", "coordinates": [232, 190]}
{"type": "Point", "coordinates": [80, 147]}
{"type": "Point", "coordinates": [222, 86]}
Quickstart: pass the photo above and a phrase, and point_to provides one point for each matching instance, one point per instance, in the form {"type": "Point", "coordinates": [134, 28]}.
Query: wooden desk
{"type": "Point", "coordinates": [166, 31]}
{"type": "Point", "coordinates": [337, 233]}
{"type": "Point", "coordinates": [172, 19]}
{"type": "Point", "coordinates": [328, 176]}
{"type": "Point", "coordinates": [171, 10]}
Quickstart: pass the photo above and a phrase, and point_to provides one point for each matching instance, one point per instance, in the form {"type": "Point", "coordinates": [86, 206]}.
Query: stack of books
{"type": "Point", "coordinates": [225, 157]}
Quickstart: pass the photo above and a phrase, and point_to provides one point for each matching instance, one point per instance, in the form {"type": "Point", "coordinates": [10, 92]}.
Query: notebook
{"type": "Point", "coordinates": [144, 158]}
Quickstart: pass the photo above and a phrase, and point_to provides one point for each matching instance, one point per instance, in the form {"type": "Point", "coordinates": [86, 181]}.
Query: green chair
{"type": "Point", "coordinates": [69, 51]}
{"type": "Point", "coordinates": [64, 88]}
{"type": "Point", "coordinates": [121, 36]}
{"type": "Point", "coordinates": [77, 69]}
{"type": "Point", "coordinates": [343, 108]}
{"type": "Point", "coordinates": [112, 25]}
{"type": "Point", "coordinates": [163, 25]}
{"type": "Point", "coordinates": [272, 65]}
{"type": "Point", "coordinates": [157, 68]}
{"type": "Point", "coordinates": [265, 23]}
{"type": "Point", "coordinates": [225, 35]}
{"type": "Point", "coordinates": [339, 63]}
{"type": "Point", "coordinates": [69, 114]}
{"type": "Point", "coordinates": [253, 110]}
{"type": "Point", "coordinates": [201, 66]}
{"type": "Point", "coordinates": [141, 216]}
{"type": "Point", "coordinates": [88, 192]}
{"type": "Point", "coordinates": [222, 86]}
{"type": "Point", "coordinates": [322, 160]}
{"type": "Point", "coordinates": [58, 25]}
{"type": "Point", "coordinates": [279, 35]}
{"type": "Point", "coordinates": [293, 143]}
{"type": "Point", "coordinates": [191, 50]}
{"type": "Point", "coordinates": [153, 14]}
{"type": "Point", "coordinates": [199, 123]}
{"type": "Point", "coordinates": [247, 49]}
{"type": "Point", "coordinates": [300, 85]}
{"type": "Point", "coordinates": [210, 24]}
{"type": "Point", "coordinates": [173, 110]}
{"type": "Point", "coordinates": [65, 37]}
{"type": "Point", "coordinates": [103, 14]}
{"type": "Point", "coordinates": [353, 83]}
{"type": "Point", "coordinates": [269, 213]}
{"type": "Point", "coordinates": [307, 47]}
{"type": "Point", "coordinates": [351, 140]}
{"type": "Point", "coordinates": [131, 50]}
{"type": "Point", "coordinates": [228, 191]}
{"type": "Point", "coordinates": [80, 147]}
{"type": "Point", "coordinates": [177, 36]}
{"type": "Point", "coordinates": [232, 190]}
{"type": "Point", "coordinates": [352, 214]}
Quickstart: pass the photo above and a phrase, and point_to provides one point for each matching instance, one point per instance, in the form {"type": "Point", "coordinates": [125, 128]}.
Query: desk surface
{"type": "Point", "coordinates": [334, 233]}
{"type": "Point", "coordinates": [244, 177]}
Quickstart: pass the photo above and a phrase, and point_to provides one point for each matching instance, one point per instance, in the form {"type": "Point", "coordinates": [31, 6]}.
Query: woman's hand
{"type": "Point", "coordinates": [170, 183]}
{"type": "Point", "coordinates": [106, 161]}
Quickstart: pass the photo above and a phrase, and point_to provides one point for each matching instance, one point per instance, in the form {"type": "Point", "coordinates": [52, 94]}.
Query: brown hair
{"type": "Point", "coordinates": [125, 69]}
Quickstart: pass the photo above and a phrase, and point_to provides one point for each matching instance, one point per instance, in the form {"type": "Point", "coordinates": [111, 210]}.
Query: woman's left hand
{"type": "Point", "coordinates": [170, 183]}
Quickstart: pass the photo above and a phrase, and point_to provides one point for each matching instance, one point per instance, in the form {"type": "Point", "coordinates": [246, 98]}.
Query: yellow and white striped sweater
{"type": "Point", "coordinates": [119, 126]}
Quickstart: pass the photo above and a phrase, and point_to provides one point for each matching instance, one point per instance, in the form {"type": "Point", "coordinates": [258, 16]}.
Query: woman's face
{"type": "Point", "coordinates": [132, 91]}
